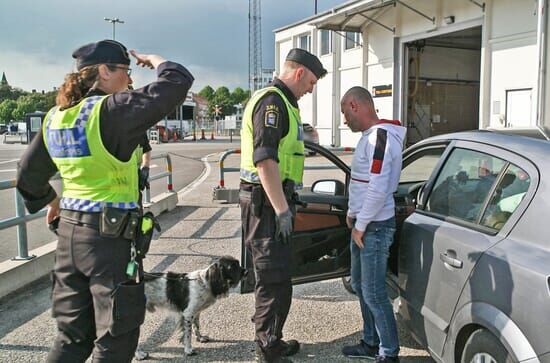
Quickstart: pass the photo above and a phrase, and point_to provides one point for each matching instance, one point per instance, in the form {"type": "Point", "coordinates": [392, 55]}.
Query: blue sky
{"type": "Point", "coordinates": [210, 37]}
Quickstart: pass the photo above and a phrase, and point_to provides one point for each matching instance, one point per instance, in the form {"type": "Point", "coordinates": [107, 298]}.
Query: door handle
{"type": "Point", "coordinates": [453, 262]}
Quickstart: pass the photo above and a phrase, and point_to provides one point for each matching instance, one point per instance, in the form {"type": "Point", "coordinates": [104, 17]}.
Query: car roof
{"type": "Point", "coordinates": [534, 149]}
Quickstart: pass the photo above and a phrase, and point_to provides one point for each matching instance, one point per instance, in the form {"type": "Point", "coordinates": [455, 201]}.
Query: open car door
{"type": "Point", "coordinates": [320, 241]}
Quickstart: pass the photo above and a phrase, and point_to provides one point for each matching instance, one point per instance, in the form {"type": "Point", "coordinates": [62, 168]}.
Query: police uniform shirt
{"type": "Point", "coordinates": [125, 118]}
{"type": "Point", "coordinates": [270, 122]}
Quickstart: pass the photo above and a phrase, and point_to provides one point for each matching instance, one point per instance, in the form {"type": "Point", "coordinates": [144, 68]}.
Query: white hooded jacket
{"type": "Point", "coordinates": [375, 172]}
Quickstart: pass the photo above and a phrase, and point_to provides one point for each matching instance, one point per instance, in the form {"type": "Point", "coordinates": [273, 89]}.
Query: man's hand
{"type": "Point", "coordinates": [284, 226]}
{"type": "Point", "coordinates": [349, 222]}
{"type": "Point", "coordinates": [53, 210]}
{"type": "Point", "coordinates": [357, 237]}
{"type": "Point", "coordinates": [143, 177]}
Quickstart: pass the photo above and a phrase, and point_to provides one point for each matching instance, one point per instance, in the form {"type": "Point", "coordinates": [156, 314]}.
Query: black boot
{"type": "Point", "coordinates": [290, 347]}
{"type": "Point", "coordinates": [264, 357]}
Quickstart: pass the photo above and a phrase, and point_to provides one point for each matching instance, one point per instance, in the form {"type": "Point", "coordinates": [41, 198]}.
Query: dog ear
{"type": "Point", "coordinates": [214, 275]}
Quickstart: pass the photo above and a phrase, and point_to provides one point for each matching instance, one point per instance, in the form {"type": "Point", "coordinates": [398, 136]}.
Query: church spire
{"type": "Point", "coordinates": [4, 81]}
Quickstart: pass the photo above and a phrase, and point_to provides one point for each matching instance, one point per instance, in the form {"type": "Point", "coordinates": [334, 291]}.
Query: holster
{"type": "Point", "coordinates": [148, 223]}
{"type": "Point", "coordinates": [257, 199]}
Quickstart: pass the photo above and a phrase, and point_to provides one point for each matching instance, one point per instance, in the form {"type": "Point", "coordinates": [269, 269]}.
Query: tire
{"type": "Point", "coordinates": [346, 280]}
{"type": "Point", "coordinates": [482, 346]}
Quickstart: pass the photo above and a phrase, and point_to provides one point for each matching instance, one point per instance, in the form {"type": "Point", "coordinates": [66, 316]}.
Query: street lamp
{"type": "Point", "coordinates": [114, 21]}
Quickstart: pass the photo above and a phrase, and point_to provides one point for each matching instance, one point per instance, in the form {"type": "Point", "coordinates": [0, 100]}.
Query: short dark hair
{"type": "Point", "coordinates": [359, 93]}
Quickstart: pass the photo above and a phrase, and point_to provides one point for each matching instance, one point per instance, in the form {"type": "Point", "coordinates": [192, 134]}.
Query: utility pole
{"type": "Point", "coordinates": [315, 6]}
{"type": "Point", "coordinates": [254, 44]}
{"type": "Point", "coordinates": [114, 21]}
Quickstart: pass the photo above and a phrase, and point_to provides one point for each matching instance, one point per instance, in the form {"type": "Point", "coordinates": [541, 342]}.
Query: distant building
{"type": "Point", "coordinates": [4, 81]}
{"type": "Point", "coordinates": [267, 76]}
{"type": "Point", "coordinates": [438, 66]}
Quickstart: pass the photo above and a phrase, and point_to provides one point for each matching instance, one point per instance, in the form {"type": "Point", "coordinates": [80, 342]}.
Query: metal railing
{"type": "Point", "coordinates": [20, 220]}
{"type": "Point", "coordinates": [21, 217]}
{"type": "Point", "coordinates": [167, 174]}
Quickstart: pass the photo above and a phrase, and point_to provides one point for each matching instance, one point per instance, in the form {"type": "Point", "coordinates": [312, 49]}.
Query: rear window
{"type": "Point", "coordinates": [478, 188]}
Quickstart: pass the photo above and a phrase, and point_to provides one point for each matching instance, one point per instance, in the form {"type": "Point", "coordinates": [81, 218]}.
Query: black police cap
{"type": "Point", "coordinates": [104, 51]}
{"type": "Point", "coordinates": [308, 60]}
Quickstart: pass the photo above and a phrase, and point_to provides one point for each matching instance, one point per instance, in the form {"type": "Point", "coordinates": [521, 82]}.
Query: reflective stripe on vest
{"type": "Point", "coordinates": [91, 206]}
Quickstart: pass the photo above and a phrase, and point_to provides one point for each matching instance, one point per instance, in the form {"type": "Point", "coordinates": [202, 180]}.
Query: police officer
{"type": "Point", "coordinates": [272, 163]}
{"type": "Point", "coordinates": [91, 138]}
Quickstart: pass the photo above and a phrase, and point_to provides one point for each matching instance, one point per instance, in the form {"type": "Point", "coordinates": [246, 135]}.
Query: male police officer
{"type": "Point", "coordinates": [272, 163]}
{"type": "Point", "coordinates": [91, 137]}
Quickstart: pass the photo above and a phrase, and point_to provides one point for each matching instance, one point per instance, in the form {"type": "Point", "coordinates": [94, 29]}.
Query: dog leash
{"type": "Point", "coordinates": [168, 278]}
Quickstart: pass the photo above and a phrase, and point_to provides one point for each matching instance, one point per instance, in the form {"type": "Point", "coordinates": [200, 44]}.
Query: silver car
{"type": "Point", "coordinates": [470, 267]}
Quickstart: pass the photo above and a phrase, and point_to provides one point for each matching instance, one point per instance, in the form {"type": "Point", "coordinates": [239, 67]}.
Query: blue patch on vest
{"type": "Point", "coordinates": [68, 143]}
{"type": "Point", "coordinates": [300, 132]}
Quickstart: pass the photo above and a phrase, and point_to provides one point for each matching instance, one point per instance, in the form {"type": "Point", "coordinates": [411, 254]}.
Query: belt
{"type": "Point", "coordinates": [74, 216]}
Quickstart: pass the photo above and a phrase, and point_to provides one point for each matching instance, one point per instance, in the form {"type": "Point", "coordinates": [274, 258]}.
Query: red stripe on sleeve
{"type": "Point", "coordinates": [376, 167]}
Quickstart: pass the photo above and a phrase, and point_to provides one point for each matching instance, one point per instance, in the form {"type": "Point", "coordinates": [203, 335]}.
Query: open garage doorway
{"type": "Point", "coordinates": [442, 88]}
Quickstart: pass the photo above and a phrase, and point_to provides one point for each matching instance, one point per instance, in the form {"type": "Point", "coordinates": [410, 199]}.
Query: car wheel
{"type": "Point", "coordinates": [484, 347]}
{"type": "Point", "coordinates": [346, 280]}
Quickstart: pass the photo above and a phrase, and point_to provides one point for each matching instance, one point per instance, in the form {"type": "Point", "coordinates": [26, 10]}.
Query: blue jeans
{"type": "Point", "coordinates": [368, 279]}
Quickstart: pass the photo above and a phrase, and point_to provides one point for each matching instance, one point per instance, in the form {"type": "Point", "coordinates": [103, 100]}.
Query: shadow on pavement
{"type": "Point", "coordinates": [23, 306]}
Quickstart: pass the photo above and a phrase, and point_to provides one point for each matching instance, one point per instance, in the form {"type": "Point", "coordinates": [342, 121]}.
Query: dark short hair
{"type": "Point", "coordinates": [360, 94]}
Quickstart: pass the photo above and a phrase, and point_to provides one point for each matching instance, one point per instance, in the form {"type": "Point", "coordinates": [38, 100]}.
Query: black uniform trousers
{"type": "Point", "coordinates": [273, 290]}
{"type": "Point", "coordinates": [97, 309]}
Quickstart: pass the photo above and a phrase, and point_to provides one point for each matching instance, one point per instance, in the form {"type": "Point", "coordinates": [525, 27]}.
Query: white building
{"type": "Point", "coordinates": [437, 65]}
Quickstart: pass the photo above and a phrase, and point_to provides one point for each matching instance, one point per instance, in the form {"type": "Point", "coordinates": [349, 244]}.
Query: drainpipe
{"type": "Point", "coordinates": [542, 41]}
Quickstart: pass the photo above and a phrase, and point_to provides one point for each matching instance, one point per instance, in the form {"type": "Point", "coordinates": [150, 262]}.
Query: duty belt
{"type": "Point", "coordinates": [74, 216]}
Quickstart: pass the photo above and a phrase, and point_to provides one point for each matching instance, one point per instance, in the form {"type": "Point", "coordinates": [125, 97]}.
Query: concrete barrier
{"type": "Point", "coordinates": [15, 275]}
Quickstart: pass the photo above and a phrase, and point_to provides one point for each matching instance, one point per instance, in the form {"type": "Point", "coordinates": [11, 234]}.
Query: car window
{"type": "Point", "coordinates": [320, 168]}
{"type": "Point", "coordinates": [508, 194]}
{"type": "Point", "coordinates": [464, 184]}
{"type": "Point", "coordinates": [419, 166]}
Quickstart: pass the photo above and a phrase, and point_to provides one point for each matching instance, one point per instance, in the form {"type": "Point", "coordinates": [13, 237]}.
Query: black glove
{"type": "Point", "coordinates": [284, 226]}
{"type": "Point", "coordinates": [143, 177]}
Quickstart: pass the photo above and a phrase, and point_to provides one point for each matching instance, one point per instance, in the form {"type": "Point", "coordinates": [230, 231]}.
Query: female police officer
{"type": "Point", "coordinates": [91, 137]}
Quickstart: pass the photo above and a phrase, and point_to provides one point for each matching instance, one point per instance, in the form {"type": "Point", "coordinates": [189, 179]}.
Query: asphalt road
{"type": "Point", "coordinates": [323, 316]}
{"type": "Point", "coordinates": [186, 166]}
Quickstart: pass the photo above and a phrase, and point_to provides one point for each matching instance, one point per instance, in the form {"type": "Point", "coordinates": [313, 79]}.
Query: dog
{"type": "Point", "coordinates": [186, 295]}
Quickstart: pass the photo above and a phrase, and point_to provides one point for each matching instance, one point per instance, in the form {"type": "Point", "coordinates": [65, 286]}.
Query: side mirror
{"type": "Point", "coordinates": [328, 187]}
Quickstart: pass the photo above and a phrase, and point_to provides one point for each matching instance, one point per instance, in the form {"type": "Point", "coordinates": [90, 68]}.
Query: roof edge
{"type": "Point", "coordinates": [318, 16]}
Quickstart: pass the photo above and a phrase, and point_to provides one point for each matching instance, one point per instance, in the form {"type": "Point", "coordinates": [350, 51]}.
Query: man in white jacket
{"type": "Point", "coordinates": [375, 171]}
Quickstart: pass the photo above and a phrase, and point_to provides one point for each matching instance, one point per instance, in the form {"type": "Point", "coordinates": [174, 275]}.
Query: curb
{"type": "Point", "coordinates": [16, 275]}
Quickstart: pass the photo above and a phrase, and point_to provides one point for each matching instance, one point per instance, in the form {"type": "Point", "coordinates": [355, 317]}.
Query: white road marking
{"type": "Point", "coordinates": [8, 161]}
{"type": "Point", "coordinates": [195, 183]}
{"type": "Point", "coordinates": [8, 170]}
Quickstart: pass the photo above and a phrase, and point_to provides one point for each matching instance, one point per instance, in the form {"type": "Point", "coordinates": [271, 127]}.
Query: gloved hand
{"type": "Point", "coordinates": [284, 226]}
{"type": "Point", "coordinates": [143, 177]}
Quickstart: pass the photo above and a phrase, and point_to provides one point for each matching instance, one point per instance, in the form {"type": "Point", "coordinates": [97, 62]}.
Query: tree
{"type": "Point", "coordinates": [207, 92]}
{"type": "Point", "coordinates": [6, 110]}
{"type": "Point", "coordinates": [239, 95]}
{"type": "Point", "coordinates": [222, 98]}
{"type": "Point", "coordinates": [25, 104]}
{"type": "Point", "coordinates": [7, 92]}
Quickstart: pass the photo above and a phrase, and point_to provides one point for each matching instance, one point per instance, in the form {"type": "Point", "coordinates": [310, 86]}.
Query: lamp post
{"type": "Point", "coordinates": [114, 21]}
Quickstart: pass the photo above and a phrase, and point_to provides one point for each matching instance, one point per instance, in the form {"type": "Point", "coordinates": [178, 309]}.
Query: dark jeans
{"type": "Point", "coordinates": [368, 279]}
{"type": "Point", "coordinates": [273, 290]}
{"type": "Point", "coordinates": [95, 313]}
